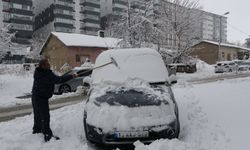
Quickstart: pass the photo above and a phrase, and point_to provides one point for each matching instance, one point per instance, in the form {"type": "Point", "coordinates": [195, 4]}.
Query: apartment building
{"type": "Point", "coordinates": [213, 27]}
{"type": "Point", "coordinates": [90, 16]}
{"type": "Point", "coordinates": [56, 15]}
{"type": "Point", "coordinates": [17, 16]}
{"type": "Point", "coordinates": [69, 16]}
{"type": "Point", "coordinates": [114, 7]}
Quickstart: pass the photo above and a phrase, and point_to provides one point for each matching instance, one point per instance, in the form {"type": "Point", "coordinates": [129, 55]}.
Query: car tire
{"type": "Point", "coordinates": [64, 89]}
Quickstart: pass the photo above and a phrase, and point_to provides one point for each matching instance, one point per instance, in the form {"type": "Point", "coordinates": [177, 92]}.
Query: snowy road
{"type": "Point", "coordinates": [212, 116]}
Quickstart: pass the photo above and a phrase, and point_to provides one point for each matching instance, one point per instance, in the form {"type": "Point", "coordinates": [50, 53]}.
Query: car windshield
{"type": "Point", "coordinates": [130, 98]}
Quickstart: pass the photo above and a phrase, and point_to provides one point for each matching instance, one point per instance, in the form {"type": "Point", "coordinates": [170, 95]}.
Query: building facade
{"type": "Point", "coordinates": [114, 7]}
{"type": "Point", "coordinates": [212, 52]}
{"type": "Point", "coordinates": [69, 16]}
{"type": "Point", "coordinates": [17, 16]}
{"type": "Point", "coordinates": [58, 15]}
{"type": "Point", "coordinates": [90, 16]}
{"type": "Point", "coordinates": [213, 27]}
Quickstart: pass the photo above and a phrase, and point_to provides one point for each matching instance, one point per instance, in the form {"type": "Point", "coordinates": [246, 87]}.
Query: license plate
{"type": "Point", "coordinates": [131, 134]}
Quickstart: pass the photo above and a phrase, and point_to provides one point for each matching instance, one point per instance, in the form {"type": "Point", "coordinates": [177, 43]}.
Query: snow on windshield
{"type": "Point", "coordinates": [143, 63]}
{"type": "Point", "coordinates": [123, 117]}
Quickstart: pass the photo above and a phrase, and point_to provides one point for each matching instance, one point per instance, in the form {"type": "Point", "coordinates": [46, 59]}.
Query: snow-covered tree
{"type": "Point", "coordinates": [179, 21]}
{"type": "Point", "coordinates": [247, 43]}
{"type": "Point", "coordinates": [135, 27]}
{"type": "Point", "coordinates": [161, 24]}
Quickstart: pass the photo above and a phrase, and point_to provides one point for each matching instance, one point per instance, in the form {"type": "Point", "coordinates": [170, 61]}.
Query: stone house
{"type": "Point", "coordinates": [211, 52]}
{"type": "Point", "coordinates": [73, 49]}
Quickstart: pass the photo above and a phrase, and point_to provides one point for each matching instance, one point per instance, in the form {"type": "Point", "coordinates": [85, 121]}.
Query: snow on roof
{"type": "Point", "coordinates": [73, 39]}
{"type": "Point", "coordinates": [226, 45]}
{"type": "Point", "coordinates": [143, 63]}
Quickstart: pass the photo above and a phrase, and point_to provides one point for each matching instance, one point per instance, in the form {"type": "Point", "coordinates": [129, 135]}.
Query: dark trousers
{"type": "Point", "coordinates": [41, 115]}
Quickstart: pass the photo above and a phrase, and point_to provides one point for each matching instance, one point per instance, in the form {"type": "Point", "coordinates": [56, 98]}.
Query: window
{"type": "Point", "coordinates": [223, 55]}
{"type": "Point", "coordinates": [81, 58]}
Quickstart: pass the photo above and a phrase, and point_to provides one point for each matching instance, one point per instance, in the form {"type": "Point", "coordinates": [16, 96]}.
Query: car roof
{"type": "Point", "coordinates": [143, 63]}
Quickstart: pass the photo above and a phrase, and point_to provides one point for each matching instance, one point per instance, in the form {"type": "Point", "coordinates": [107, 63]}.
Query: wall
{"type": "Point", "coordinates": [206, 52]}
{"type": "Point", "coordinates": [56, 52]}
{"type": "Point", "coordinates": [229, 53]}
{"type": "Point", "coordinates": [84, 51]}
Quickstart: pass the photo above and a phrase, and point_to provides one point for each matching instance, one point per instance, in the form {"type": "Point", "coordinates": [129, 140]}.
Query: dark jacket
{"type": "Point", "coordinates": [44, 82]}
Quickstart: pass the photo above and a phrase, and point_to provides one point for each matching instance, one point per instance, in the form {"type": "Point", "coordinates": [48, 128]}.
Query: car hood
{"type": "Point", "coordinates": [157, 109]}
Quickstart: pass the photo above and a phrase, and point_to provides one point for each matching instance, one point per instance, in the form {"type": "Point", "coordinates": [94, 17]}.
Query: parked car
{"type": "Point", "coordinates": [72, 84]}
{"type": "Point", "coordinates": [243, 65]}
{"type": "Point", "coordinates": [29, 66]}
{"type": "Point", "coordinates": [225, 66]}
{"type": "Point", "coordinates": [130, 99]}
{"type": "Point", "coordinates": [181, 67]}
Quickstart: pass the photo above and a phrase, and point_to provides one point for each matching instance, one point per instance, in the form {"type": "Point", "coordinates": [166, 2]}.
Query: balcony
{"type": "Point", "coordinates": [91, 1]}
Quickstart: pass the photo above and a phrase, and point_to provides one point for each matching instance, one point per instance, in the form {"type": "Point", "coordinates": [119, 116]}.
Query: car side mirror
{"type": "Point", "coordinates": [172, 79]}
{"type": "Point", "coordinates": [87, 81]}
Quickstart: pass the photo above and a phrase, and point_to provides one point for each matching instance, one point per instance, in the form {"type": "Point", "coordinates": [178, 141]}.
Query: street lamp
{"type": "Point", "coordinates": [220, 38]}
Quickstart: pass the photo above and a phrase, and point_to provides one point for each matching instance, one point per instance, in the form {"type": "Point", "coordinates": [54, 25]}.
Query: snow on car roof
{"type": "Point", "coordinates": [143, 63]}
{"type": "Point", "coordinates": [73, 39]}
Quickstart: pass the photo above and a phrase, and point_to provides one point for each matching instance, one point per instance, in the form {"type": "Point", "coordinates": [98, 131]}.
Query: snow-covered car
{"type": "Point", "coordinates": [72, 84]}
{"type": "Point", "coordinates": [225, 66]}
{"type": "Point", "coordinates": [130, 99]}
{"type": "Point", "coordinates": [243, 65]}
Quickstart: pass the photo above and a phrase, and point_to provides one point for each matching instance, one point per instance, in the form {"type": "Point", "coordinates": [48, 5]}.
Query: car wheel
{"type": "Point", "coordinates": [64, 88]}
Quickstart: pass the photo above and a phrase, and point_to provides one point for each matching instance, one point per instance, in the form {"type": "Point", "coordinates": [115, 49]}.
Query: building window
{"type": "Point", "coordinates": [222, 55]}
{"type": "Point", "coordinates": [81, 58]}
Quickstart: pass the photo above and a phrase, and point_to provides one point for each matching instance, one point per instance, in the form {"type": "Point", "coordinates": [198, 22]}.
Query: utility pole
{"type": "Point", "coordinates": [220, 35]}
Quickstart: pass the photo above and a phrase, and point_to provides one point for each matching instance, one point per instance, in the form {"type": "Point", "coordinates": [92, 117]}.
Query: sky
{"type": "Point", "coordinates": [237, 19]}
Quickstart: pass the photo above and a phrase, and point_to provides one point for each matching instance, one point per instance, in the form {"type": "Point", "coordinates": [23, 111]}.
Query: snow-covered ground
{"type": "Point", "coordinates": [213, 116]}
{"type": "Point", "coordinates": [14, 82]}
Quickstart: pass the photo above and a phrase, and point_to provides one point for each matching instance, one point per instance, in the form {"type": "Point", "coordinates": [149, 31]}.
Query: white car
{"type": "Point", "coordinates": [225, 66]}
{"type": "Point", "coordinates": [130, 99]}
{"type": "Point", "coordinates": [243, 65]}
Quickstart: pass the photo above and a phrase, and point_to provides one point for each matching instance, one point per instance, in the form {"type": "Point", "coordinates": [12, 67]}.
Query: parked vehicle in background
{"type": "Point", "coordinates": [183, 68]}
{"type": "Point", "coordinates": [130, 99]}
{"type": "Point", "coordinates": [71, 85]}
{"type": "Point", "coordinates": [29, 66]}
{"type": "Point", "coordinates": [225, 66]}
{"type": "Point", "coordinates": [243, 65]}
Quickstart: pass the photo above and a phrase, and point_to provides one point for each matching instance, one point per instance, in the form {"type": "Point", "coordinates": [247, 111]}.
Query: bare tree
{"type": "Point", "coordinates": [180, 21]}
{"type": "Point", "coordinates": [247, 43]}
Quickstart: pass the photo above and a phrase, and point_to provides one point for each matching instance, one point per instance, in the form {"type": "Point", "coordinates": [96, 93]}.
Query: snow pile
{"type": "Point", "coordinates": [15, 82]}
{"type": "Point", "coordinates": [204, 70]}
{"type": "Point", "coordinates": [65, 122]}
{"type": "Point", "coordinates": [12, 86]}
{"type": "Point", "coordinates": [203, 67]}
{"type": "Point", "coordinates": [137, 117]}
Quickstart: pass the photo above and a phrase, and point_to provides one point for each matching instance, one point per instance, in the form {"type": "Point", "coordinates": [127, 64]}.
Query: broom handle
{"type": "Point", "coordinates": [95, 68]}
